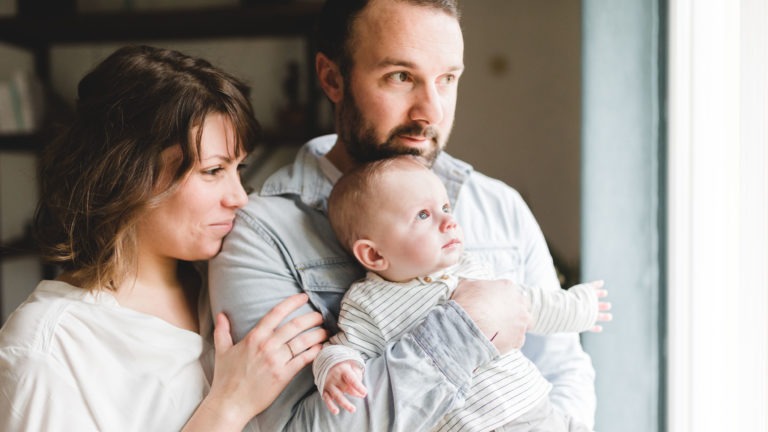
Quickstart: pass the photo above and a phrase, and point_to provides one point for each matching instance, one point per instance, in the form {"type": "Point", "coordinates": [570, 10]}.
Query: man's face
{"type": "Point", "coordinates": [400, 93]}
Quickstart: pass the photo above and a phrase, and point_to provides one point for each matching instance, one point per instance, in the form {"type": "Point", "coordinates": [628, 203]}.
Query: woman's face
{"type": "Point", "coordinates": [191, 223]}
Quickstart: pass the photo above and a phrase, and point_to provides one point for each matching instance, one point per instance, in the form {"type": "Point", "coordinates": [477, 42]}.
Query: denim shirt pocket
{"type": "Point", "coordinates": [505, 261]}
{"type": "Point", "coordinates": [326, 280]}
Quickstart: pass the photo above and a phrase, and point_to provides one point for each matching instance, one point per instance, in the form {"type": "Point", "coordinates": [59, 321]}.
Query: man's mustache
{"type": "Point", "coordinates": [415, 129]}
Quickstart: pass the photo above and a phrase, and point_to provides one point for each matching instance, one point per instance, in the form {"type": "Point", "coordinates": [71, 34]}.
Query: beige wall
{"type": "Point", "coordinates": [18, 193]}
{"type": "Point", "coordinates": [261, 62]}
{"type": "Point", "coordinates": [518, 115]}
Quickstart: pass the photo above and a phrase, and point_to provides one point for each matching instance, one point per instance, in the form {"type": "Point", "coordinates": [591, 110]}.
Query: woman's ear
{"type": "Point", "coordinates": [366, 253]}
{"type": "Point", "coordinates": [329, 75]}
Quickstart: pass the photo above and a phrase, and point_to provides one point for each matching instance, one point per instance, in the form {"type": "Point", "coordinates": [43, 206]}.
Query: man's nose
{"type": "Point", "coordinates": [427, 106]}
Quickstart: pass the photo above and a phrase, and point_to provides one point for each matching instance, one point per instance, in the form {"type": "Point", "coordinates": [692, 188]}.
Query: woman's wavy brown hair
{"type": "Point", "coordinates": [103, 171]}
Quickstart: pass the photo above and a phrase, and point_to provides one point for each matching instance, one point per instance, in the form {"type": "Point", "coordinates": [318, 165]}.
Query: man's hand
{"type": "Point", "coordinates": [499, 308]}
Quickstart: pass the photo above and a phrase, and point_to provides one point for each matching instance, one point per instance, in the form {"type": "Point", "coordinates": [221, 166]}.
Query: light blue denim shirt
{"type": "Point", "coordinates": [282, 244]}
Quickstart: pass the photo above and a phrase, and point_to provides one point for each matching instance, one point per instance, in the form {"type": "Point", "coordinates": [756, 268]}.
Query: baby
{"type": "Point", "coordinates": [394, 216]}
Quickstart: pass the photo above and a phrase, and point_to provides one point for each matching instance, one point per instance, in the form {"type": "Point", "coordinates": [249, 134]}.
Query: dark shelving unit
{"type": "Point", "coordinates": [38, 33]}
{"type": "Point", "coordinates": [21, 142]}
{"type": "Point", "coordinates": [281, 19]}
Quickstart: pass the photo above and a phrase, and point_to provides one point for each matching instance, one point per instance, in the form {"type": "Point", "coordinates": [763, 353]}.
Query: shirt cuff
{"type": "Point", "coordinates": [330, 356]}
{"type": "Point", "coordinates": [454, 343]}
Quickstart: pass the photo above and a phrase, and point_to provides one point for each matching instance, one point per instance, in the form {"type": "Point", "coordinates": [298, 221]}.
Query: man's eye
{"type": "Point", "coordinates": [423, 215]}
{"type": "Point", "coordinates": [446, 208]}
{"type": "Point", "coordinates": [399, 76]}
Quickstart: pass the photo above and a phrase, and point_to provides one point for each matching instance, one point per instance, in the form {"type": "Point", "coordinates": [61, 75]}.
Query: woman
{"type": "Point", "coordinates": [143, 184]}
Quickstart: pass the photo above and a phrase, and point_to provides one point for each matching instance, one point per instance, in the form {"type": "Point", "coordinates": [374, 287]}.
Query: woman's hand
{"type": "Point", "coordinates": [249, 375]}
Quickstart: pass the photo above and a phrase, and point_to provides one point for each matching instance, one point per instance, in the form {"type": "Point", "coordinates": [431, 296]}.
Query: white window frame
{"type": "Point", "coordinates": [718, 216]}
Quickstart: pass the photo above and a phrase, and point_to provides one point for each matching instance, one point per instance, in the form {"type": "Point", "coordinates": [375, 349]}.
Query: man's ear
{"type": "Point", "coordinates": [366, 253]}
{"type": "Point", "coordinates": [329, 75]}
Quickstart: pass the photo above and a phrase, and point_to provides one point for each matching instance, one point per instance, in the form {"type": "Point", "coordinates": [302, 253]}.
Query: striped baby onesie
{"type": "Point", "coordinates": [375, 312]}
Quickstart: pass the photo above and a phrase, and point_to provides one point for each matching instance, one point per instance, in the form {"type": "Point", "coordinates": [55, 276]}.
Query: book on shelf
{"type": "Point", "coordinates": [21, 104]}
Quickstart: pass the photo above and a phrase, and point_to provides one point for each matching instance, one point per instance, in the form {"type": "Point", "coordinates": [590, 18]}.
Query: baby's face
{"type": "Point", "coordinates": [414, 226]}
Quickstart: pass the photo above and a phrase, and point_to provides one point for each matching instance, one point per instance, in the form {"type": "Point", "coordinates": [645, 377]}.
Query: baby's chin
{"type": "Point", "coordinates": [454, 258]}
{"type": "Point", "coordinates": [450, 262]}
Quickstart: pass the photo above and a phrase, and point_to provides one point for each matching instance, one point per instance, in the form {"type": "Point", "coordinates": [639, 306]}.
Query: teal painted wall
{"type": "Point", "coordinates": [621, 230]}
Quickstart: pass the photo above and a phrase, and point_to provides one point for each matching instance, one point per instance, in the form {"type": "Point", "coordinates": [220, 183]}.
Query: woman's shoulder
{"type": "Point", "coordinates": [33, 324]}
{"type": "Point", "coordinates": [36, 380]}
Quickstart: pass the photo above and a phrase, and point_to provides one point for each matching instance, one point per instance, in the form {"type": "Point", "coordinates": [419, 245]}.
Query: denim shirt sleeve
{"type": "Point", "coordinates": [411, 386]}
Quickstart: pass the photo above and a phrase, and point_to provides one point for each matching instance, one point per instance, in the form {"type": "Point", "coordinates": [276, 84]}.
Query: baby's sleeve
{"type": "Point", "coordinates": [556, 311]}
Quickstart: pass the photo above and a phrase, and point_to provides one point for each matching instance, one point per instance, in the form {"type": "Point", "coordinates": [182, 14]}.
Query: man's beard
{"type": "Point", "coordinates": [361, 142]}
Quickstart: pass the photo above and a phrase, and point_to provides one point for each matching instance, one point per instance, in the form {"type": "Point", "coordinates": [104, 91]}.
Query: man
{"type": "Point", "coordinates": [391, 69]}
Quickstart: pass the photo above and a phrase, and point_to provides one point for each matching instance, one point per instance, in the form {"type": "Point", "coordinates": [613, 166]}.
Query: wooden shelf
{"type": "Point", "coordinates": [27, 143]}
{"type": "Point", "coordinates": [32, 143]}
{"type": "Point", "coordinates": [39, 33]}
{"type": "Point", "coordinates": [20, 247]}
{"type": "Point", "coordinates": [284, 19]}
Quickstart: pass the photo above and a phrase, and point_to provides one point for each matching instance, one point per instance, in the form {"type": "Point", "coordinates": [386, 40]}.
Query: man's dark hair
{"type": "Point", "coordinates": [334, 25]}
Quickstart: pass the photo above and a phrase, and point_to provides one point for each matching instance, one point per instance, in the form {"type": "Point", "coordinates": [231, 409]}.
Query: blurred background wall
{"type": "Point", "coordinates": [518, 113]}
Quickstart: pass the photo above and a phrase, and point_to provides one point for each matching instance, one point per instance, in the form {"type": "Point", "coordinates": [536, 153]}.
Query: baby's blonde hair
{"type": "Point", "coordinates": [349, 205]}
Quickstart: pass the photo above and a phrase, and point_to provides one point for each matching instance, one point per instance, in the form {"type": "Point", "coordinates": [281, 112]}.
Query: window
{"type": "Point", "coordinates": [718, 216]}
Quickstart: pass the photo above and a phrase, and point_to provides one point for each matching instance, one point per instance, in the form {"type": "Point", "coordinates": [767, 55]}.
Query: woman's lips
{"type": "Point", "coordinates": [225, 226]}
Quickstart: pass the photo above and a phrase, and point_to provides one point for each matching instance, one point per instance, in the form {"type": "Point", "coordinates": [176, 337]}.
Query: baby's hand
{"type": "Point", "coordinates": [602, 307]}
{"type": "Point", "coordinates": [345, 377]}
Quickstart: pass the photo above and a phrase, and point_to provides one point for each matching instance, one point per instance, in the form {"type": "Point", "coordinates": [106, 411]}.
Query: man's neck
{"type": "Point", "coordinates": [340, 158]}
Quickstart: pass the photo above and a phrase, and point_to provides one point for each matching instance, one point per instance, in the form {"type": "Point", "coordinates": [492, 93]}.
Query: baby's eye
{"type": "Point", "coordinates": [422, 215]}
{"type": "Point", "coordinates": [446, 208]}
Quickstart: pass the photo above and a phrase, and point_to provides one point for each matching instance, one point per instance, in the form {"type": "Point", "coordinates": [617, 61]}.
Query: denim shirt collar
{"type": "Point", "coordinates": [305, 178]}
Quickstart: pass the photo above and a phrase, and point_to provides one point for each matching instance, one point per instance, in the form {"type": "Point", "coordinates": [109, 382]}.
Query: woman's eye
{"type": "Point", "coordinates": [213, 171]}
{"type": "Point", "coordinates": [422, 215]}
{"type": "Point", "coordinates": [446, 208]}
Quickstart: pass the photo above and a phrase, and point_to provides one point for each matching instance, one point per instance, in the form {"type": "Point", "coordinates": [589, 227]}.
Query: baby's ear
{"type": "Point", "coordinates": [368, 255]}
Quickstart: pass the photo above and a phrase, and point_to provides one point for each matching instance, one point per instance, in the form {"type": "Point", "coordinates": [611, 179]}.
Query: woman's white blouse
{"type": "Point", "coordinates": [71, 360]}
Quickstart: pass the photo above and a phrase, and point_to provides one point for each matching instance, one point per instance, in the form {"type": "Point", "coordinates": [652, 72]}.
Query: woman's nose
{"type": "Point", "coordinates": [236, 196]}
